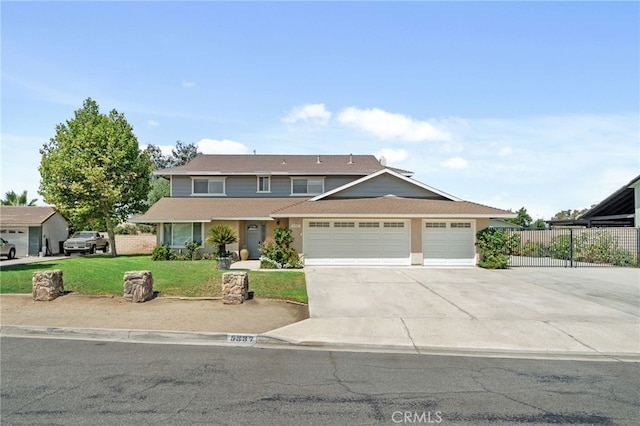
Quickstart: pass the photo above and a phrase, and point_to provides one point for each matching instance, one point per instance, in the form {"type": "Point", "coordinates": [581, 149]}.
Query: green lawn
{"type": "Point", "coordinates": [104, 275]}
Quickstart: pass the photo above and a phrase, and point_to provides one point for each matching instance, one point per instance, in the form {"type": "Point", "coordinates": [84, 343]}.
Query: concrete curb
{"type": "Point", "coordinates": [262, 340]}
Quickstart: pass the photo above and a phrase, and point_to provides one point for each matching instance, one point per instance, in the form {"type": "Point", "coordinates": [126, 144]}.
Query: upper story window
{"type": "Point", "coordinates": [210, 186]}
{"type": "Point", "coordinates": [264, 184]}
{"type": "Point", "coordinates": [307, 186]}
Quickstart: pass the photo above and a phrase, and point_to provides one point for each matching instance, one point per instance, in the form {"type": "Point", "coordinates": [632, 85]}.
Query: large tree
{"type": "Point", "coordinates": [523, 218]}
{"type": "Point", "coordinates": [93, 170]}
{"type": "Point", "coordinates": [13, 199]}
{"type": "Point", "coordinates": [180, 155]}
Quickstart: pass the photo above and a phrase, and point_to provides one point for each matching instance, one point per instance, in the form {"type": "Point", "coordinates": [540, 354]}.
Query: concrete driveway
{"type": "Point", "coordinates": [520, 311]}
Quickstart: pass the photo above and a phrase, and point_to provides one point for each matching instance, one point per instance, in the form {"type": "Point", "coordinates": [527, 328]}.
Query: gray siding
{"type": "Point", "coordinates": [247, 186]}
{"type": "Point", "coordinates": [385, 185]}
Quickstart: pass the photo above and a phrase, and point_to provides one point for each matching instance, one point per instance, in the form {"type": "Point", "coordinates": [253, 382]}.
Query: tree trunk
{"type": "Point", "coordinates": [112, 237]}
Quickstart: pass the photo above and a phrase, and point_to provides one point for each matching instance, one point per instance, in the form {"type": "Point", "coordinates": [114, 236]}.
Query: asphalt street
{"type": "Point", "coordinates": [54, 381]}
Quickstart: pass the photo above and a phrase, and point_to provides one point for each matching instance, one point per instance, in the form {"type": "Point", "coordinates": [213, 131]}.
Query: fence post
{"type": "Point", "coordinates": [571, 248]}
{"type": "Point", "coordinates": [637, 246]}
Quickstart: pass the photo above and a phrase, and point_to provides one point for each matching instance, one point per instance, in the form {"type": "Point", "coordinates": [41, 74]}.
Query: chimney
{"type": "Point", "coordinates": [318, 161]}
{"type": "Point", "coordinates": [350, 158]}
{"type": "Point", "coordinates": [383, 161]}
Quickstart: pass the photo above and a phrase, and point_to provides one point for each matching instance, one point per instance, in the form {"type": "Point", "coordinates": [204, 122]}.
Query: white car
{"type": "Point", "coordinates": [7, 249]}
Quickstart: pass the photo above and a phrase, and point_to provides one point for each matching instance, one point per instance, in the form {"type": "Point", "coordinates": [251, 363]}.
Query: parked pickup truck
{"type": "Point", "coordinates": [85, 242]}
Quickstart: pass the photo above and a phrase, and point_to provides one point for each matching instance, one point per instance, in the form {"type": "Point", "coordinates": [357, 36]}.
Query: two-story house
{"type": "Point", "coordinates": [342, 209]}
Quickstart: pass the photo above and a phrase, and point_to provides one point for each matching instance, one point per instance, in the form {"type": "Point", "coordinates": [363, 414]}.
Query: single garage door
{"type": "Point", "coordinates": [19, 237]}
{"type": "Point", "coordinates": [448, 243]}
{"type": "Point", "coordinates": [356, 242]}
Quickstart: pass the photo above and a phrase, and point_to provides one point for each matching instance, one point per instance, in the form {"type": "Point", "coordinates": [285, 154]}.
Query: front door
{"type": "Point", "coordinates": [254, 234]}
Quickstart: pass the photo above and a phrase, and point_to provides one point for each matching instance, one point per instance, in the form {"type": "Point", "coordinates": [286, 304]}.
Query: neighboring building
{"type": "Point", "coordinates": [32, 229]}
{"type": "Point", "coordinates": [620, 209]}
{"type": "Point", "coordinates": [342, 209]}
{"type": "Point", "coordinates": [501, 223]}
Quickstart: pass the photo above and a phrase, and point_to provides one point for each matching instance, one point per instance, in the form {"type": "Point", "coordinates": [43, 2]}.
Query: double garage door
{"type": "Point", "coordinates": [387, 242]}
{"type": "Point", "coordinates": [357, 242]}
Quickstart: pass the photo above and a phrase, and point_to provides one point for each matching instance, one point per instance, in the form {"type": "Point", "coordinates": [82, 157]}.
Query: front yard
{"type": "Point", "coordinates": [104, 275]}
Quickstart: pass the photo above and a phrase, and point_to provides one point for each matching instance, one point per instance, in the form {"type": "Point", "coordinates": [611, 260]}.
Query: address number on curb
{"type": "Point", "coordinates": [242, 338]}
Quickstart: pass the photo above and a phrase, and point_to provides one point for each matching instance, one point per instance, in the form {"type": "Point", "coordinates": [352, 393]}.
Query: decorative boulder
{"type": "Point", "coordinates": [235, 287]}
{"type": "Point", "coordinates": [138, 286]}
{"type": "Point", "coordinates": [47, 285]}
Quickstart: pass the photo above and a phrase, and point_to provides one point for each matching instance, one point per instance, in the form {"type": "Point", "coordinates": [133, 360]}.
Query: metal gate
{"type": "Point", "coordinates": [575, 247]}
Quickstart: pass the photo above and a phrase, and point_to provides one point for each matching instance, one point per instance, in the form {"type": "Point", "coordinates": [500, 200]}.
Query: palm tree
{"type": "Point", "coordinates": [221, 235]}
{"type": "Point", "coordinates": [13, 199]}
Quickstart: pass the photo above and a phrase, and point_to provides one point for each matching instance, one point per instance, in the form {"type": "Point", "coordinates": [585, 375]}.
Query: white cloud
{"type": "Point", "coordinates": [389, 126]}
{"type": "Point", "coordinates": [455, 163]}
{"type": "Point", "coordinates": [152, 123]}
{"type": "Point", "coordinates": [224, 146]}
{"type": "Point", "coordinates": [316, 113]}
{"type": "Point", "coordinates": [392, 155]}
{"type": "Point", "coordinates": [188, 84]}
{"type": "Point", "coordinates": [504, 151]}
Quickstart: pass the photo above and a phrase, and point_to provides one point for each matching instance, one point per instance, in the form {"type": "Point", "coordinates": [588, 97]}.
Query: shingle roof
{"type": "Point", "coordinates": [285, 164]}
{"type": "Point", "coordinates": [391, 206]}
{"type": "Point", "coordinates": [207, 209]}
{"type": "Point", "coordinates": [34, 215]}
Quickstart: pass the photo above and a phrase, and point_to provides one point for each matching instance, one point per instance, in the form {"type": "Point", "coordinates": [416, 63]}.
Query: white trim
{"type": "Point", "coordinates": [392, 173]}
{"type": "Point", "coordinates": [258, 190]}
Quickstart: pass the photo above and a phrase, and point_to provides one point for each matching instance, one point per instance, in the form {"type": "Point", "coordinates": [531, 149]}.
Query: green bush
{"type": "Point", "coordinates": [622, 257]}
{"type": "Point", "coordinates": [276, 253]}
{"type": "Point", "coordinates": [495, 247]}
{"type": "Point", "coordinates": [561, 247]}
{"type": "Point", "coordinates": [221, 235]}
{"type": "Point", "coordinates": [535, 249]}
{"type": "Point", "coordinates": [162, 252]}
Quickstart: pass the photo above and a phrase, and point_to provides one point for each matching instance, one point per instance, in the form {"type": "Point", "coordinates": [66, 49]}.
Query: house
{"type": "Point", "coordinates": [33, 229]}
{"type": "Point", "coordinates": [342, 209]}
{"type": "Point", "coordinates": [620, 209]}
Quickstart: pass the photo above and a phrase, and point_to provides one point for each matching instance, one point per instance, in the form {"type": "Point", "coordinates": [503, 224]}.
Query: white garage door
{"type": "Point", "coordinates": [356, 242]}
{"type": "Point", "coordinates": [448, 243]}
{"type": "Point", "coordinates": [19, 237]}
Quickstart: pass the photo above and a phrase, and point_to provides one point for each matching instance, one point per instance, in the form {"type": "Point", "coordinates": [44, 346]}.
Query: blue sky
{"type": "Point", "coordinates": [510, 104]}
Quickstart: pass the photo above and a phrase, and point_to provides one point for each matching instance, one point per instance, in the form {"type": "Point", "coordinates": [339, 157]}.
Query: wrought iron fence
{"type": "Point", "coordinates": [575, 247]}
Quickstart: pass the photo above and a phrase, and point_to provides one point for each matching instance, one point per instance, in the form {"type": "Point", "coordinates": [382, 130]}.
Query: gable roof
{"type": "Point", "coordinates": [279, 164]}
{"type": "Point", "coordinates": [391, 206]}
{"type": "Point", "coordinates": [204, 209]}
{"type": "Point", "coordinates": [25, 216]}
{"type": "Point", "coordinates": [382, 172]}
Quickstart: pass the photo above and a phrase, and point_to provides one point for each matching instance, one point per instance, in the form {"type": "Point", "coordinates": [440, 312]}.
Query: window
{"type": "Point", "coordinates": [461, 224]}
{"type": "Point", "coordinates": [368, 224]}
{"type": "Point", "coordinates": [209, 186]}
{"type": "Point", "coordinates": [264, 184]}
{"type": "Point", "coordinates": [435, 224]}
{"type": "Point", "coordinates": [307, 186]}
{"type": "Point", "coordinates": [178, 234]}
{"type": "Point", "coordinates": [318, 224]}
{"type": "Point", "coordinates": [343, 224]}
{"type": "Point", "coordinates": [394, 224]}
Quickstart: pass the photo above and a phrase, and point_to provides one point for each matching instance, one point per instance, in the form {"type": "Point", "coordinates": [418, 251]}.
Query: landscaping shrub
{"type": "Point", "coordinates": [561, 247]}
{"type": "Point", "coordinates": [622, 257]}
{"type": "Point", "coordinates": [276, 253]}
{"type": "Point", "coordinates": [495, 247]}
{"type": "Point", "coordinates": [162, 252]}
{"type": "Point", "coordinates": [535, 249]}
